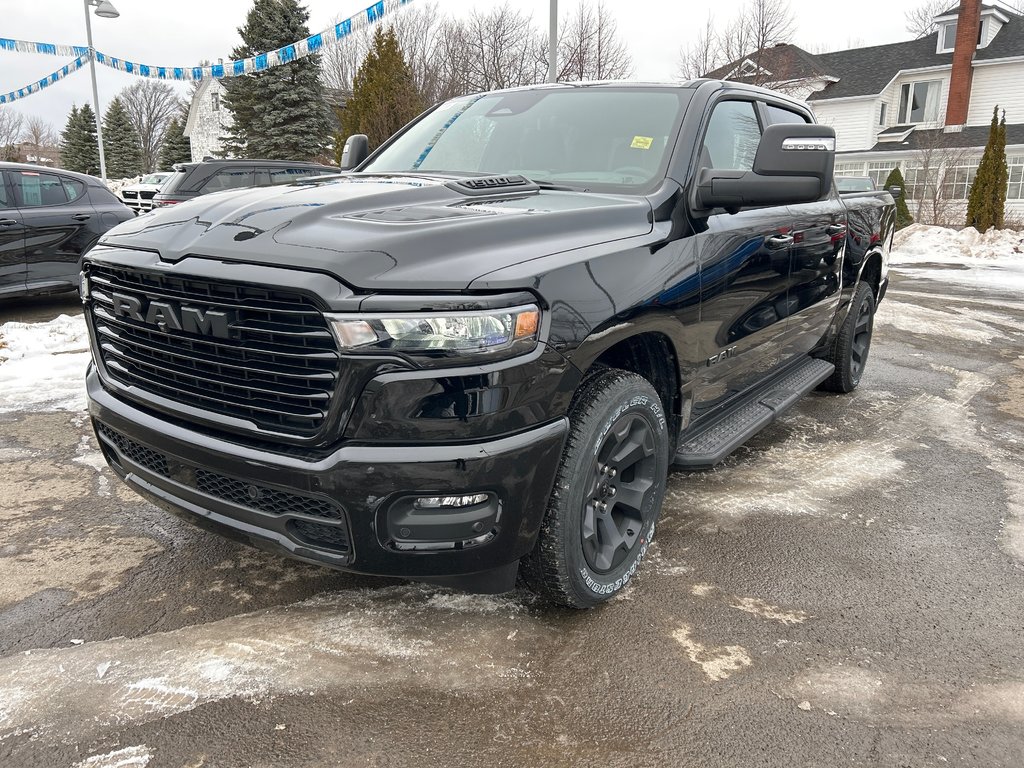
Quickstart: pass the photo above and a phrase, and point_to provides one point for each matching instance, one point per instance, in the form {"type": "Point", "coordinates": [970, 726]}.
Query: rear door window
{"type": "Point", "coordinates": [5, 201]}
{"type": "Point", "coordinates": [73, 188]}
{"type": "Point", "coordinates": [37, 190]}
{"type": "Point", "coordinates": [228, 178]}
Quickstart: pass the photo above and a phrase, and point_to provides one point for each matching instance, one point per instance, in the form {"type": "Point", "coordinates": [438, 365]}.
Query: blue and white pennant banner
{"type": "Point", "coordinates": [50, 79]}
{"type": "Point", "coordinates": [259, 63]}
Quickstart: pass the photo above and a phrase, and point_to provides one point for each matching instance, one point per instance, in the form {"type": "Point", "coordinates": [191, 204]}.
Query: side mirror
{"type": "Point", "coordinates": [794, 164]}
{"type": "Point", "coordinates": [896, 191]}
{"type": "Point", "coordinates": [357, 149]}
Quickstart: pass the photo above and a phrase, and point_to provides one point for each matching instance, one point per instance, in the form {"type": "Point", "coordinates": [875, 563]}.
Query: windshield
{"type": "Point", "coordinates": [586, 138]}
{"type": "Point", "coordinates": [154, 178]}
{"type": "Point", "coordinates": [854, 184]}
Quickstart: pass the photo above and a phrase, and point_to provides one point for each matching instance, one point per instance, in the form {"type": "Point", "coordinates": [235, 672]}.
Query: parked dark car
{"type": "Point", "coordinates": [477, 355]}
{"type": "Point", "coordinates": [194, 179]}
{"type": "Point", "coordinates": [48, 220]}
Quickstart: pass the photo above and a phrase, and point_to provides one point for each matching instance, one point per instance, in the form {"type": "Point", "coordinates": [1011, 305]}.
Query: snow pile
{"type": "Point", "coordinates": [116, 185]}
{"type": "Point", "coordinates": [924, 243]}
{"type": "Point", "coordinates": [42, 365]}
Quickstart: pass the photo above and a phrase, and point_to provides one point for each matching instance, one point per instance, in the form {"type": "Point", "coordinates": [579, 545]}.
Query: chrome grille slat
{"type": "Point", "coordinates": [278, 370]}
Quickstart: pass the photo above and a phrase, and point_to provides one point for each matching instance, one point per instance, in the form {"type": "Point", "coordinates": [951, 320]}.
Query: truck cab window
{"type": "Point", "coordinates": [732, 136]}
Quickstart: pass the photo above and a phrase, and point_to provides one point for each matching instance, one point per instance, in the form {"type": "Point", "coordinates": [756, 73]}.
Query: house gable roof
{"type": "Point", "coordinates": [866, 71]}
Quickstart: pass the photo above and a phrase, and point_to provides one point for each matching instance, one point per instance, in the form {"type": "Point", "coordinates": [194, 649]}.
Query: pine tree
{"type": "Point", "coordinates": [176, 147]}
{"type": "Point", "coordinates": [987, 201]}
{"type": "Point", "coordinates": [78, 148]}
{"type": "Point", "coordinates": [384, 95]}
{"type": "Point", "coordinates": [281, 113]}
{"type": "Point", "coordinates": [121, 143]}
{"type": "Point", "coordinates": [903, 217]}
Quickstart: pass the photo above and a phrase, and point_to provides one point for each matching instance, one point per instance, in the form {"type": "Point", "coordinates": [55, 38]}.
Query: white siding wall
{"type": "Point", "coordinates": [853, 121]}
{"type": "Point", "coordinates": [997, 84]}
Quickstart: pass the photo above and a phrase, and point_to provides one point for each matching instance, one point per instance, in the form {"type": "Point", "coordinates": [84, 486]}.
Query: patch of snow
{"type": "Point", "coordinates": [925, 243]}
{"type": "Point", "coordinates": [994, 259]}
{"type": "Point", "coordinates": [120, 758]}
{"type": "Point", "coordinates": [42, 365]}
{"type": "Point", "coordinates": [716, 663]}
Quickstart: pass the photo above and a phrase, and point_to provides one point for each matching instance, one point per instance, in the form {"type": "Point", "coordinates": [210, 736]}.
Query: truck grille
{"type": "Point", "coordinates": [330, 533]}
{"type": "Point", "coordinates": [275, 368]}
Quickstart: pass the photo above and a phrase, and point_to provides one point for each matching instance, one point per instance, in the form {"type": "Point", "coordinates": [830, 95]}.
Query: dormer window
{"type": "Point", "coordinates": [947, 37]}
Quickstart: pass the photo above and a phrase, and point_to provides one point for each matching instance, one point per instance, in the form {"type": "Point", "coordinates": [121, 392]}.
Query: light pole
{"type": "Point", "coordinates": [105, 10]}
{"type": "Point", "coordinates": [552, 43]}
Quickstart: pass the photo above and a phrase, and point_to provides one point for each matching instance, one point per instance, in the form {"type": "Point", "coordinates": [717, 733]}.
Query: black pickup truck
{"type": "Point", "coordinates": [479, 354]}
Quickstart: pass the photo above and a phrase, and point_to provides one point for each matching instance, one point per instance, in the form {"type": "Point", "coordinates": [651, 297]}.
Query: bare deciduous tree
{"type": "Point", "coordinates": [590, 48]}
{"type": "Point", "coordinates": [919, 18]}
{"type": "Point", "coordinates": [702, 55]}
{"type": "Point", "coordinates": [10, 132]}
{"type": "Point", "coordinates": [38, 132]}
{"type": "Point", "coordinates": [761, 25]}
{"type": "Point", "coordinates": [151, 105]}
{"type": "Point", "coordinates": [498, 48]}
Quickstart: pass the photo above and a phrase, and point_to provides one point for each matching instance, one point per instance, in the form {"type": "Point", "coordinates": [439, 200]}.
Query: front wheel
{"type": "Point", "coordinates": [849, 352]}
{"type": "Point", "coordinates": [608, 492]}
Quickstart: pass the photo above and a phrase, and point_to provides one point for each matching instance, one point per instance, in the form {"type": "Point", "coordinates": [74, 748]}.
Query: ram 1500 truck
{"type": "Point", "coordinates": [479, 353]}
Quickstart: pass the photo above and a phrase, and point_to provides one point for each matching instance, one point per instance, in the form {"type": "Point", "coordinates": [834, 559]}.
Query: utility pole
{"type": "Point", "coordinates": [553, 44]}
{"type": "Point", "coordinates": [105, 10]}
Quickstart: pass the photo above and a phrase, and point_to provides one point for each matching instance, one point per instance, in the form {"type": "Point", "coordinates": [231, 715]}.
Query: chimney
{"type": "Point", "coordinates": [967, 24]}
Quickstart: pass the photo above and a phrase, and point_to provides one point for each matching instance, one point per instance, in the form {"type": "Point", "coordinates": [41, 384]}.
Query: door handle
{"type": "Point", "coordinates": [81, 217]}
{"type": "Point", "coordinates": [7, 222]}
{"type": "Point", "coordinates": [836, 229]}
{"type": "Point", "coordinates": [779, 241]}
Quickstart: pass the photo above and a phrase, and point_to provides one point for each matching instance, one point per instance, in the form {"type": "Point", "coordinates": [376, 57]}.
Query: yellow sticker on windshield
{"type": "Point", "coordinates": [642, 142]}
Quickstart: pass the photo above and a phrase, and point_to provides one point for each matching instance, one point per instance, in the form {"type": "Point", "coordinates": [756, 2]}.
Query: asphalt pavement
{"type": "Point", "coordinates": [846, 590]}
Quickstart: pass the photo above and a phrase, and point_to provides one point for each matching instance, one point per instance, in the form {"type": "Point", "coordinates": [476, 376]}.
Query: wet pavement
{"type": "Point", "coordinates": [847, 590]}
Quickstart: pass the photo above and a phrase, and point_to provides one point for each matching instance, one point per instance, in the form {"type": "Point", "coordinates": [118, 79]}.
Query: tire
{"type": "Point", "coordinates": [616, 455]}
{"type": "Point", "coordinates": [849, 352]}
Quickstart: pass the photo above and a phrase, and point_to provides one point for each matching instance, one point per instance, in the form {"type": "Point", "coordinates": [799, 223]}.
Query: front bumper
{"type": "Point", "coordinates": [342, 510]}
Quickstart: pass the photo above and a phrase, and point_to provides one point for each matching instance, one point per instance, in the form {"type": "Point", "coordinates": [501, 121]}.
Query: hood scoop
{"type": "Point", "coordinates": [488, 185]}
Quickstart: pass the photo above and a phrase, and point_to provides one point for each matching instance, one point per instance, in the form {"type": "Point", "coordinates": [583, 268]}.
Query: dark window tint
{"type": "Point", "coordinates": [228, 178]}
{"type": "Point", "coordinates": [777, 115]}
{"type": "Point", "coordinates": [4, 202]}
{"type": "Point", "coordinates": [34, 190]}
{"type": "Point", "coordinates": [732, 136]}
{"type": "Point", "coordinates": [73, 188]}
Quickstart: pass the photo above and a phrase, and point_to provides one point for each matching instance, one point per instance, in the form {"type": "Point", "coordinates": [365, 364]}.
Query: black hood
{"type": "Point", "coordinates": [384, 232]}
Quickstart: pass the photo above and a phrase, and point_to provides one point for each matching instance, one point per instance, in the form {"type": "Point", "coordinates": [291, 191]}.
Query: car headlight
{"type": "Point", "coordinates": [489, 333]}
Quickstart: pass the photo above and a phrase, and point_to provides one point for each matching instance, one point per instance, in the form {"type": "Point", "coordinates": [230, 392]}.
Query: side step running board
{"type": "Point", "coordinates": [715, 441]}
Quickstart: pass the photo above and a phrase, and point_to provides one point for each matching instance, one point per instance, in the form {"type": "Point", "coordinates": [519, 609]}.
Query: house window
{"type": "Point", "coordinates": [919, 102]}
{"type": "Point", "coordinates": [849, 169]}
{"type": "Point", "coordinates": [879, 171]}
{"type": "Point", "coordinates": [957, 179]}
{"type": "Point", "coordinates": [881, 114]}
{"type": "Point", "coordinates": [1015, 186]}
{"type": "Point", "coordinates": [215, 101]}
{"type": "Point", "coordinates": [947, 38]}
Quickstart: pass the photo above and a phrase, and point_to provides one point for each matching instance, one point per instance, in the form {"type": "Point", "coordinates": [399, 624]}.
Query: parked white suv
{"type": "Point", "coordinates": [139, 196]}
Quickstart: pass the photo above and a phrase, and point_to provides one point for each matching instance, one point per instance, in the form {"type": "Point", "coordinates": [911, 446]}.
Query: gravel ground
{"type": "Point", "coordinates": [847, 590]}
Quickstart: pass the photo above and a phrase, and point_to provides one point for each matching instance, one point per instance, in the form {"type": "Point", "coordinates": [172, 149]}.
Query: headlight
{"type": "Point", "coordinates": [493, 332]}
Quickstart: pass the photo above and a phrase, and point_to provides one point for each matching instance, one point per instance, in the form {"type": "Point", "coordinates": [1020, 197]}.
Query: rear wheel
{"type": "Point", "coordinates": [608, 492]}
{"type": "Point", "coordinates": [850, 349]}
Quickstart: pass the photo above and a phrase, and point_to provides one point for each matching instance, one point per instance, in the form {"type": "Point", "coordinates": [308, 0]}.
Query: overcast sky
{"type": "Point", "coordinates": [184, 32]}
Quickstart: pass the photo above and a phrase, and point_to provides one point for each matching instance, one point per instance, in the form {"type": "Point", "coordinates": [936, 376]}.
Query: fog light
{"type": "Point", "coordinates": [441, 502]}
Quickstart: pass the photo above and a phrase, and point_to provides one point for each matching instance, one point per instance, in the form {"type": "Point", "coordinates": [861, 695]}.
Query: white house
{"type": "Point", "coordinates": [208, 120]}
{"type": "Point", "coordinates": [923, 105]}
